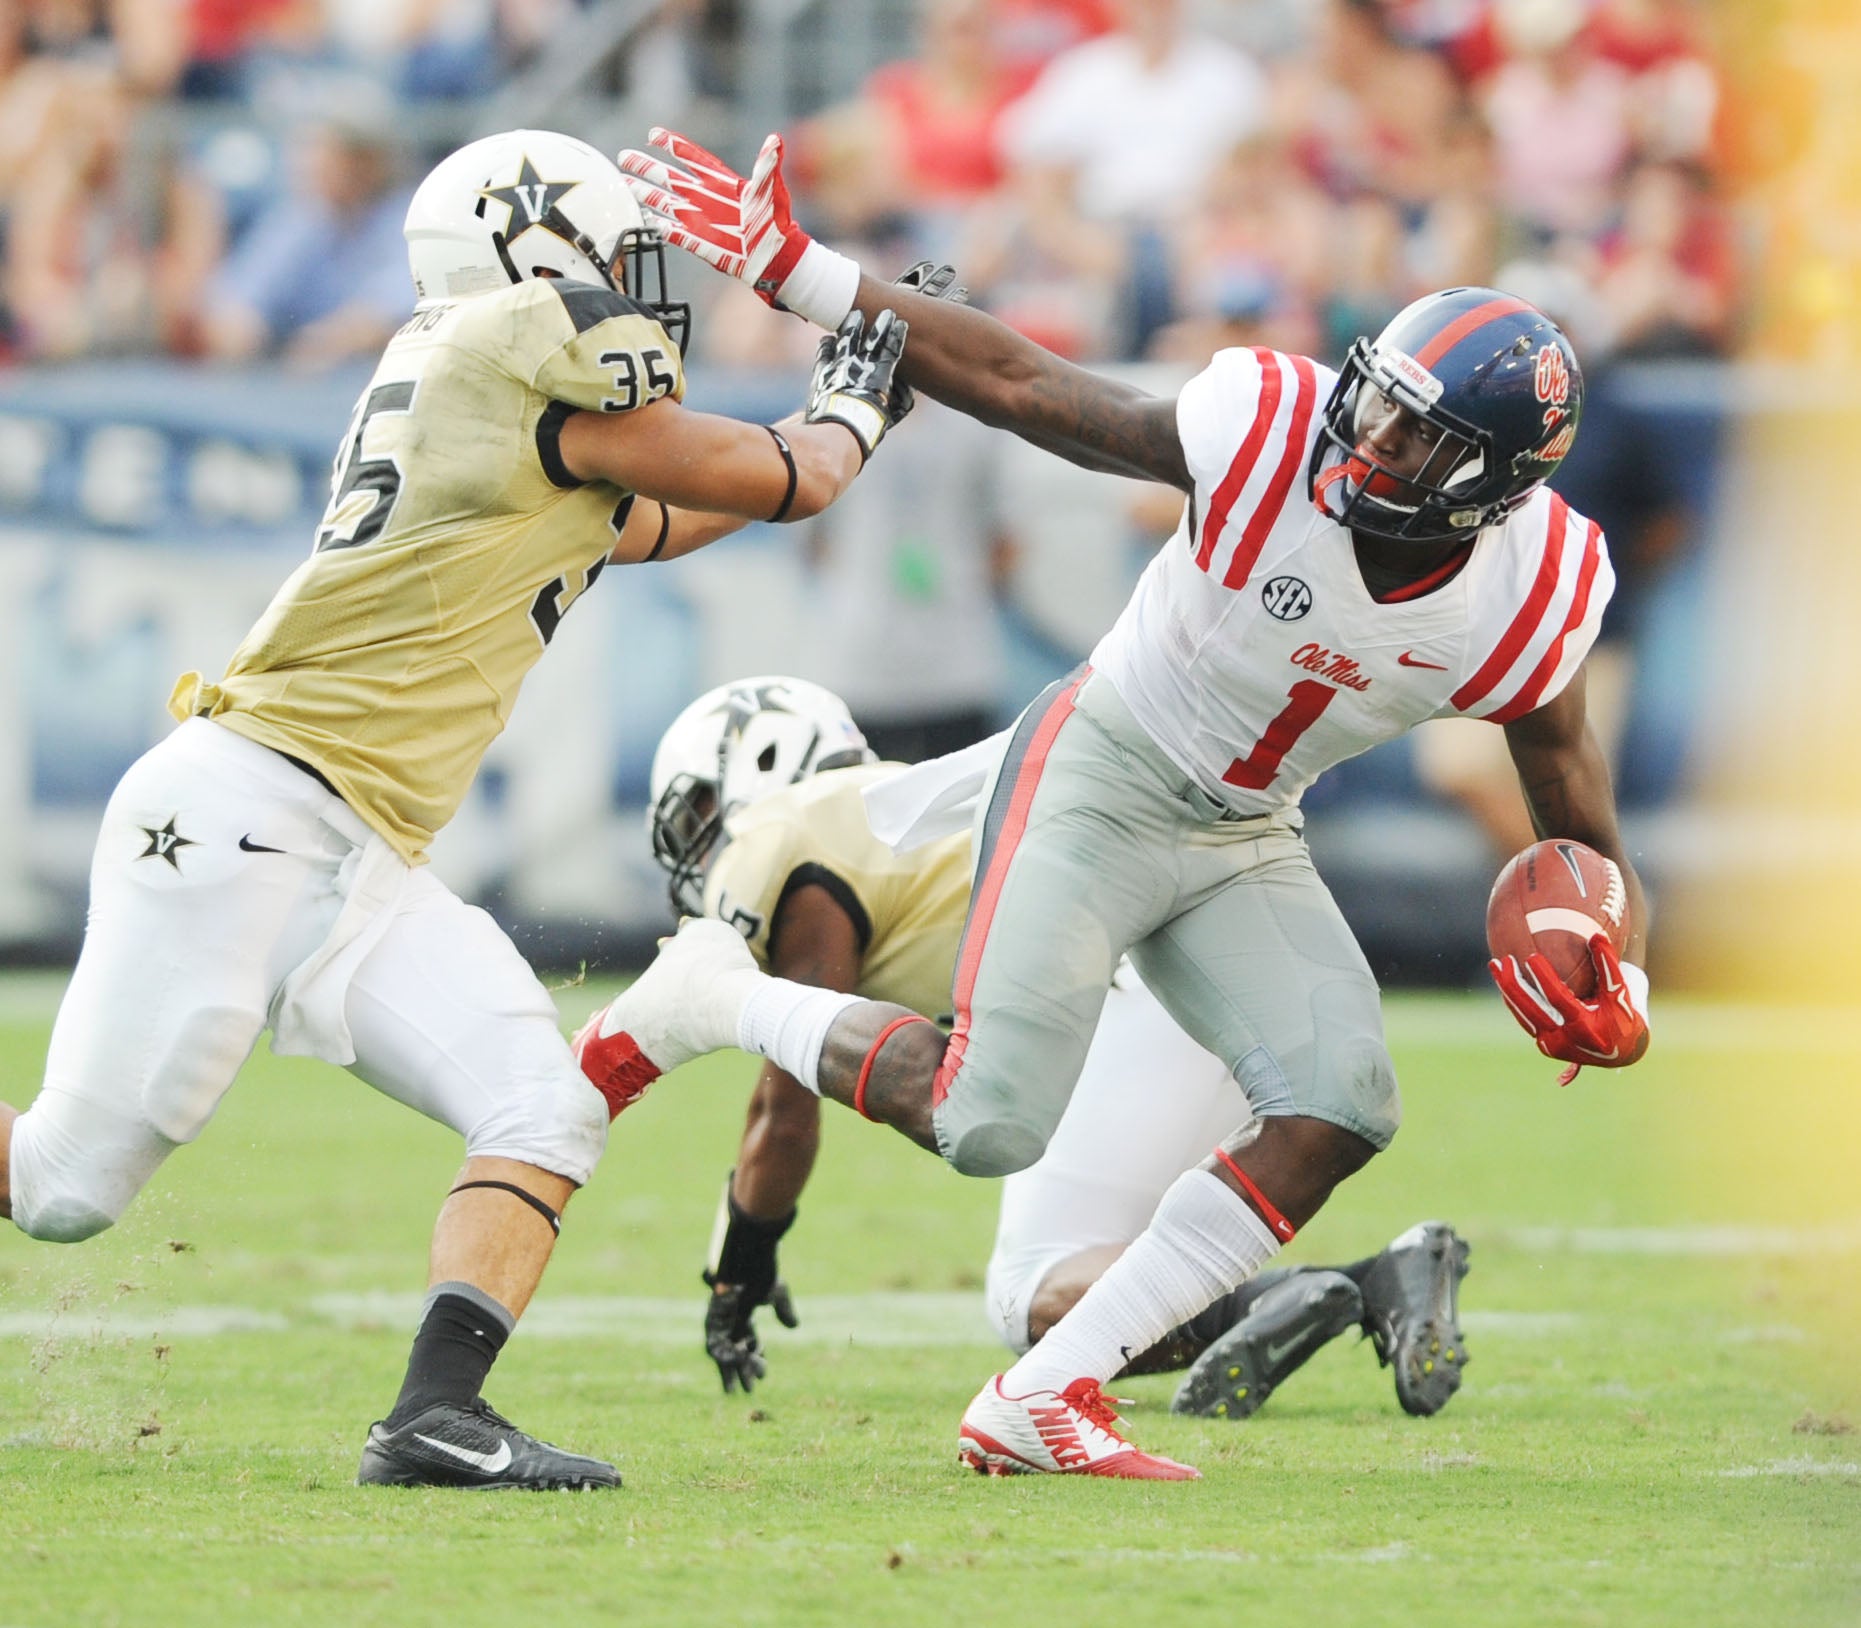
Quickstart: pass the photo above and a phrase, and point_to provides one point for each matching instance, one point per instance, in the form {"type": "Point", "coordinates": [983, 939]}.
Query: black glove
{"type": "Point", "coordinates": [730, 1335]}
{"type": "Point", "coordinates": [852, 382]}
{"type": "Point", "coordinates": [742, 1276]}
{"type": "Point", "coordinates": [934, 282]}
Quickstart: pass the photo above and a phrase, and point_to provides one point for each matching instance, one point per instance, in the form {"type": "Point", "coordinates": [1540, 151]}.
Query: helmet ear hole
{"type": "Point", "coordinates": [765, 759]}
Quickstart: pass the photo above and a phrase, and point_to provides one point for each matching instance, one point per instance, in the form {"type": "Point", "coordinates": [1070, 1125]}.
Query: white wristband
{"type": "Point", "coordinates": [821, 287]}
{"type": "Point", "coordinates": [1637, 982]}
{"type": "Point", "coordinates": [864, 419]}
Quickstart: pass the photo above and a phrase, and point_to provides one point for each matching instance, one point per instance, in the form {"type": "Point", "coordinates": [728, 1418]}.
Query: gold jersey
{"type": "Point", "coordinates": [907, 908]}
{"type": "Point", "coordinates": [454, 541]}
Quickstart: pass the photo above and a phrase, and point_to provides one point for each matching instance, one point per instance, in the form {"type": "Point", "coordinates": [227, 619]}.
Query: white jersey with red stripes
{"type": "Point", "coordinates": [1253, 654]}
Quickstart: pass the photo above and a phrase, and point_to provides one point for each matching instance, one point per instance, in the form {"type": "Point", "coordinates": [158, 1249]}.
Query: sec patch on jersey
{"type": "Point", "coordinates": [1553, 898]}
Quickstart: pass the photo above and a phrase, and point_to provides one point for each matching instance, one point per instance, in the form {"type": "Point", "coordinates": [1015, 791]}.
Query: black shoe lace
{"type": "Point", "coordinates": [484, 1410]}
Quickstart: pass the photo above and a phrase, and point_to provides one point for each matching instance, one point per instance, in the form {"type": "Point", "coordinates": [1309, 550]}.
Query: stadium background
{"type": "Point", "coordinates": [200, 198]}
{"type": "Point", "coordinates": [1694, 1465]}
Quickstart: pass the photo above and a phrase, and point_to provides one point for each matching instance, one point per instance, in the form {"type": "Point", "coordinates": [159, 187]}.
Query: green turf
{"type": "Point", "coordinates": [1654, 1427]}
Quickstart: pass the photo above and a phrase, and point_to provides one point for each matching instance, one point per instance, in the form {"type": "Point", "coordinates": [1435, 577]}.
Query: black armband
{"type": "Point", "coordinates": [794, 476]}
{"type": "Point", "coordinates": [665, 531]}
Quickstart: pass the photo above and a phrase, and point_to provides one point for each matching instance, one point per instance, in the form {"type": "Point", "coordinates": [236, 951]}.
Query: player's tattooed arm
{"type": "Point", "coordinates": [1565, 778]}
{"type": "Point", "coordinates": [968, 360]}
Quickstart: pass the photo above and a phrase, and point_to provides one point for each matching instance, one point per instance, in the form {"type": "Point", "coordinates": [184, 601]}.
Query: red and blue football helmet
{"type": "Point", "coordinates": [1493, 374]}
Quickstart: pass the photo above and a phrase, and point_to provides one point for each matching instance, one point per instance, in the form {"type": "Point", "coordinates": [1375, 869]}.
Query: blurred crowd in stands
{"type": "Point", "coordinates": [1120, 178]}
{"type": "Point", "coordinates": [1178, 177]}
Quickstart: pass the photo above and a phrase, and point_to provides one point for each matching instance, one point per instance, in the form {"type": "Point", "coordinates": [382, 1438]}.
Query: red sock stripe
{"type": "Point", "coordinates": [865, 1068]}
{"type": "Point", "coordinates": [1283, 1229]}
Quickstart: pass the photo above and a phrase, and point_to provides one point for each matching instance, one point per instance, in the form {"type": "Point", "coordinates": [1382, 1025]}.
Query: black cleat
{"type": "Point", "coordinates": [473, 1447]}
{"type": "Point", "coordinates": [1411, 1314]}
{"type": "Point", "coordinates": [1276, 1335]}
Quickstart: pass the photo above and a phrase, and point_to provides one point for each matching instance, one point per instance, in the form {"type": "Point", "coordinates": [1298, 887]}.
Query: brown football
{"type": "Point", "coordinates": [1554, 898]}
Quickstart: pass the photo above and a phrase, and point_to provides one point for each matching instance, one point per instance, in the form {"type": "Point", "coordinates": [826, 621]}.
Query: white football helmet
{"type": "Point", "coordinates": [731, 746]}
{"type": "Point", "coordinates": [532, 203]}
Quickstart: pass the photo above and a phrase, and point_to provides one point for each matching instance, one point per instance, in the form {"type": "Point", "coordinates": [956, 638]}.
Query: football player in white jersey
{"type": "Point", "coordinates": [758, 815]}
{"type": "Point", "coordinates": [264, 865]}
{"type": "Point", "coordinates": [1357, 552]}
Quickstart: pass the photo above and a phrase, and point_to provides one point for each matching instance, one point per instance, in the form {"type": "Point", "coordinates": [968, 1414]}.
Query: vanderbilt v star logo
{"type": "Point", "coordinates": [165, 843]}
{"type": "Point", "coordinates": [531, 195]}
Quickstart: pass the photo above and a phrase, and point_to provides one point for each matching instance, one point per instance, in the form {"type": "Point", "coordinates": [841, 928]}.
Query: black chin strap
{"type": "Point", "coordinates": [559, 225]}
{"type": "Point", "coordinates": [510, 266]}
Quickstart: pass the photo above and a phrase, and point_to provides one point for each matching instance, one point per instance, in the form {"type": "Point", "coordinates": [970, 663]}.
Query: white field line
{"type": "Point", "coordinates": [856, 1320]}
{"type": "Point", "coordinates": [1803, 1465]}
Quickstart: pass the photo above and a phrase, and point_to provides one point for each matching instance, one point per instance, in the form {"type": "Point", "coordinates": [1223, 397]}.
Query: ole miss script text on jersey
{"type": "Point", "coordinates": [1253, 654]}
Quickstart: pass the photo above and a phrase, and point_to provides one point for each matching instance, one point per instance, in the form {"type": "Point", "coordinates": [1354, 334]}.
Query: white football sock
{"type": "Point", "coordinates": [788, 1022]}
{"type": "Point", "coordinates": [1203, 1241]}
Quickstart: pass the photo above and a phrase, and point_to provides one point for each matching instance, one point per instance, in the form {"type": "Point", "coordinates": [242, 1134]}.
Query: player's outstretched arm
{"type": "Point", "coordinates": [717, 470]}
{"type": "Point", "coordinates": [744, 227]}
{"type": "Point", "coordinates": [968, 360]}
{"type": "Point", "coordinates": [705, 462]}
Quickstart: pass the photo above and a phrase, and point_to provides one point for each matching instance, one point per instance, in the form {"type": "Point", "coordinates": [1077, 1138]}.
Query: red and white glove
{"type": "Point", "coordinates": [1610, 1031]}
{"type": "Point", "coordinates": [744, 228]}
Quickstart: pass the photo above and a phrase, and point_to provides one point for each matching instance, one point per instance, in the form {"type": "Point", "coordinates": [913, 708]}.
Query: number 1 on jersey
{"type": "Point", "coordinates": [1305, 701]}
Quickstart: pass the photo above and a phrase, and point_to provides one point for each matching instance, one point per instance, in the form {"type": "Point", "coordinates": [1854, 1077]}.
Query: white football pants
{"type": "Point", "coordinates": [230, 893]}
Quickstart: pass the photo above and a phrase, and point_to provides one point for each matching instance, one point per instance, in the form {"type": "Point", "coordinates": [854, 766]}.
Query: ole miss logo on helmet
{"type": "Point", "coordinates": [1550, 376]}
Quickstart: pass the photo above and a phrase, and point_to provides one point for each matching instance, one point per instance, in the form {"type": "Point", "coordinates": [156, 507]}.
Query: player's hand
{"type": "Point", "coordinates": [853, 382]}
{"type": "Point", "coordinates": [1610, 1031]}
{"type": "Point", "coordinates": [745, 228]}
{"type": "Point", "coordinates": [934, 282]}
{"type": "Point", "coordinates": [730, 1330]}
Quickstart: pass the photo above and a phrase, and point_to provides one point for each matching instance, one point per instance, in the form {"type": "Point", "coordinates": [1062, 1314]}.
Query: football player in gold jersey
{"type": "Point", "coordinates": [263, 866]}
{"type": "Point", "coordinates": [759, 815]}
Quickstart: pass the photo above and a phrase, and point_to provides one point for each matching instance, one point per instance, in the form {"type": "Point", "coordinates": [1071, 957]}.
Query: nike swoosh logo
{"type": "Point", "coordinates": [1407, 660]}
{"type": "Point", "coordinates": [1275, 1352]}
{"type": "Point", "coordinates": [490, 1463]}
{"type": "Point", "coordinates": [252, 847]}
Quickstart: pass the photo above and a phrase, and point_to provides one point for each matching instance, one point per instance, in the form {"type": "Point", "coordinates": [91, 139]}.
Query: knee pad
{"type": "Point", "coordinates": [1370, 1077]}
{"type": "Point", "coordinates": [63, 1219]}
{"type": "Point", "coordinates": [558, 1124]}
{"type": "Point", "coordinates": [75, 1165]}
{"type": "Point", "coordinates": [981, 1135]}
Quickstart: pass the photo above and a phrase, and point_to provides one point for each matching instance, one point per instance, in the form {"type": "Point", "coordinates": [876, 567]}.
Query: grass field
{"type": "Point", "coordinates": [1658, 1425]}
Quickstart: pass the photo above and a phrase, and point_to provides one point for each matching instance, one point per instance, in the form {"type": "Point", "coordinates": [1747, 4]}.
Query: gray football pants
{"type": "Point", "coordinates": [1092, 844]}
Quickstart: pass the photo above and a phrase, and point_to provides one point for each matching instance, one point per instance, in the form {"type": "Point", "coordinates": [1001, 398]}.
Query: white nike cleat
{"type": "Point", "coordinates": [1069, 1432]}
{"type": "Point", "coordinates": [682, 1006]}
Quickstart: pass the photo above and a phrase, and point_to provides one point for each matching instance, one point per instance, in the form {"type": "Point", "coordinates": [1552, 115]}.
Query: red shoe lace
{"type": "Point", "coordinates": [1093, 1404]}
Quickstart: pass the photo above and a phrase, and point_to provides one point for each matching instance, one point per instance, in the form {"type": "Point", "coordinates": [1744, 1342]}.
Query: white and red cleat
{"type": "Point", "coordinates": [682, 1006]}
{"type": "Point", "coordinates": [1069, 1432]}
{"type": "Point", "coordinates": [614, 1064]}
